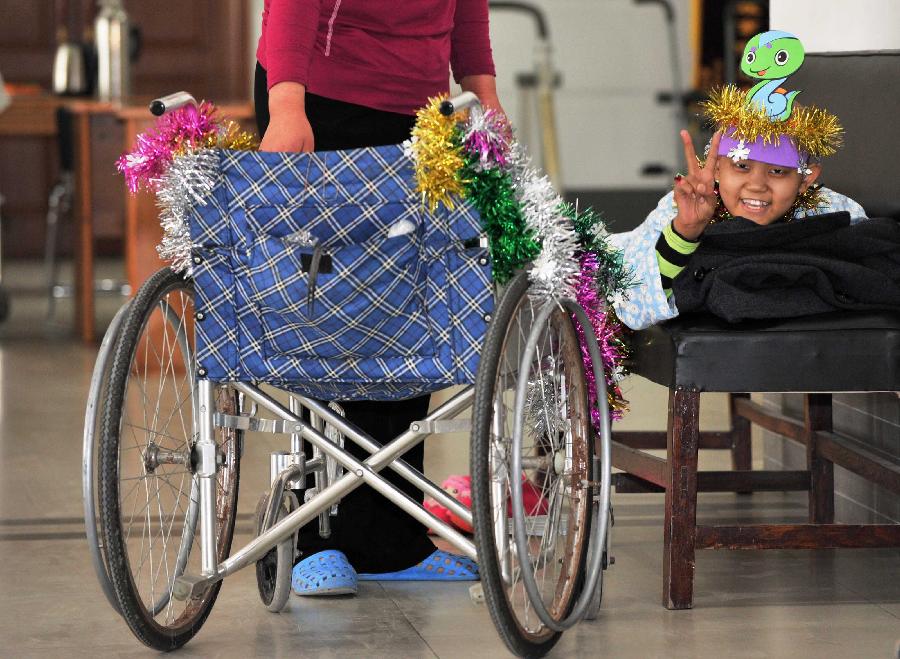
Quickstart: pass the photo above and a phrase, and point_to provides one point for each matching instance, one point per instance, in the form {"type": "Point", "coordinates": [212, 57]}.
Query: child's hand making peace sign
{"type": "Point", "coordinates": [695, 192]}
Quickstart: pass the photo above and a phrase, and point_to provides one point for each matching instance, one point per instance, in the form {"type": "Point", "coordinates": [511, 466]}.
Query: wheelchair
{"type": "Point", "coordinates": [167, 417]}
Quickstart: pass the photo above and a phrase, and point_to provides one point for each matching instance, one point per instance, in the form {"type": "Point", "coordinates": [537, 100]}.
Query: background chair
{"type": "Point", "coordinates": [59, 212]}
{"type": "Point", "coordinates": [817, 355]}
{"type": "Point", "coordinates": [59, 208]}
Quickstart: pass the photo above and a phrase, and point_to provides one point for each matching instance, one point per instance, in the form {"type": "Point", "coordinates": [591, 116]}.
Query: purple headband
{"type": "Point", "coordinates": [784, 154]}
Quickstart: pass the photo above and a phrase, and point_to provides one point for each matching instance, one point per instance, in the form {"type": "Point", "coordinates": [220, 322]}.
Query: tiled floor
{"type": "Point", "coordinates": [748, 604]}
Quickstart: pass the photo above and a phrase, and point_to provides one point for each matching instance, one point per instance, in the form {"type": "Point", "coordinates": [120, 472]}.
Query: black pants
{"type": "Point", "coordinates": [375, 535]}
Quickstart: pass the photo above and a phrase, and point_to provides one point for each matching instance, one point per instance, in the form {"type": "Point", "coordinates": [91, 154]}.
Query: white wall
{"type": "Point", "coordinates": [839, 25]}
{"type": "Point", "coordinates": [614, 57]}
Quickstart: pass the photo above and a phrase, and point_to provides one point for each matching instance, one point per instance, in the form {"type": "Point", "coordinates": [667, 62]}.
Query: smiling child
{"type": "Point", "coordinates": [762, 164]}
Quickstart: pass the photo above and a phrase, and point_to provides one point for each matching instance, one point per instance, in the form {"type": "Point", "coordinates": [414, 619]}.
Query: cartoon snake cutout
{"type": "Point", "coordinates": [771, 57]}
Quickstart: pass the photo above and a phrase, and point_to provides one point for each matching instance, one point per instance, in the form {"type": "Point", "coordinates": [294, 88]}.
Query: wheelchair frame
{"type": "Point", "coordinates": [204, 461]}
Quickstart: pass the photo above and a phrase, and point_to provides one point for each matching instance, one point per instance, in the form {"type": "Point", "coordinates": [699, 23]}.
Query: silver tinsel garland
{"type": "Point", "coordinates": [188, 182]}
{"type": "Point", "coordinates": [541, 407]}
{"type": "Point", "coordinates": [555, 271]}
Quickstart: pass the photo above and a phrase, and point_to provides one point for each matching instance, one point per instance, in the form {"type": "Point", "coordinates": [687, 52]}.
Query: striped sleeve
{"type": "Point", "coordinates": [672, 253]}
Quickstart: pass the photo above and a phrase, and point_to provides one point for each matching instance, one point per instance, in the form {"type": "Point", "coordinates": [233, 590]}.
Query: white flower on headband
{"type": "Point", "coordinates": [739, 152]}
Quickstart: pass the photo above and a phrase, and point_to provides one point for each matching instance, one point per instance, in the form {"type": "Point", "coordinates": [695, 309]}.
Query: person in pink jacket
{"type": "Point", "coordinates": [343, 74]}
{"type": "Point", "coordinates": [377, 54]}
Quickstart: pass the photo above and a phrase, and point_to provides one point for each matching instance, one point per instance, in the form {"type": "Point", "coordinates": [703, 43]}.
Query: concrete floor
{"type": "Point", "coordinates": [747, 604]}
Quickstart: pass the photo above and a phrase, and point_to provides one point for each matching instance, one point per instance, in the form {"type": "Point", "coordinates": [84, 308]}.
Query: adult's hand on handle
{"type": "Point", "coordinates": [485, 88]}
{"type": "Point", "coordinates": [695, 192]}
{"type": "Point", "coordinates": [289, 128]}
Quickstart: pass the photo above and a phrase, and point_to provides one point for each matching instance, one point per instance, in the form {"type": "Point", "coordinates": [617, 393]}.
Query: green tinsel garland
{"type": "Point", "coordinates": [614, 275]}
{"type": "Point", "coordinates": [491, 192]}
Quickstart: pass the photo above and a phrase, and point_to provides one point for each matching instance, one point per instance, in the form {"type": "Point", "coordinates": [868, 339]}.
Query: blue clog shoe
{"type": "Point", "coordinates": [325, 573]}
{"type": "Point", "coordinates": [439, 566]}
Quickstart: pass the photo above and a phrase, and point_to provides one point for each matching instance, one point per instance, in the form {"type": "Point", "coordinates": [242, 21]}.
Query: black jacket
{"type": "Point", "coordinates": [742, 270]}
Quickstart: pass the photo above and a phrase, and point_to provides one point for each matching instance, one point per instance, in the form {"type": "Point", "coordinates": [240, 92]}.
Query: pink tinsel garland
{"type": "Point", "coordinates": [606, 329]}
{"type": "Point", "coordinates": [489, 138]}
{"type": "Point", "coordinates": [187, 127]}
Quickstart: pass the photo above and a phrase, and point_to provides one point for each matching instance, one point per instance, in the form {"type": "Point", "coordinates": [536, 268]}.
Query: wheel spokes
{"type": "Point", "coordinates": [551, 472]}
{"type": "Point", "coordinates": [157, 414]}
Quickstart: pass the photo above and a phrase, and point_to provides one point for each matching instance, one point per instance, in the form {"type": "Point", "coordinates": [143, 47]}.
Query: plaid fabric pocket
{"type": "Point", "coordinates": [394, 318]}
{"type": "Point", "coordinates": [366, 300]}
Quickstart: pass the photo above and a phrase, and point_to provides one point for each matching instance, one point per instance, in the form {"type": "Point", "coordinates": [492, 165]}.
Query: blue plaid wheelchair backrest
{"type": "Point", "coordinates": [325, 274]}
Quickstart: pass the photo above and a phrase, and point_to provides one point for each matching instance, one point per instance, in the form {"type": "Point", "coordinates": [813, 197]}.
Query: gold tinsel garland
{"type": "Point", "coordinates": [438, 159]}
{"type": "Point", "coordinates": [231, 136]}
{"type": "Point", "coordinates": [814, 131]}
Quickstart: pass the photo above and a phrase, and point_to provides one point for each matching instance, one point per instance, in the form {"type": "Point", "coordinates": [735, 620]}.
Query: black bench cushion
{"type": "Point", "coordinates": [839, 351]}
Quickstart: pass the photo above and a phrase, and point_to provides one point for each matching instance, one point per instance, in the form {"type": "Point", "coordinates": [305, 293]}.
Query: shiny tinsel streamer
{"type": "Point", "coordinates": [512, 244]}
{"type": "Point", "coordinates": [176, 131]}
{"type": "Point", "coordinates": [187, 183]}
{"type": "Point", "coordinates": [541, 407]}
{"type": "Point", "coordinates": [231, 136]}
{"type": "Point", "coordinates": [614, 275]}
{"type": "Point", "coordinates": [488, 135]}
{"type": "Point", "coordinates": [607, 329]}
{"type": "Point", "coordinates": [554, 272]}
{"type": "Point", "coordinates": [438, 156]}
{"type": "Point", "coordinates": [181, 131]}
{"type": "Point", "coordinates": [604, 275]}
{"type": "Point", "coordinates": [175, 159]}
{"type": "Point", "coordinates": [815, 131]}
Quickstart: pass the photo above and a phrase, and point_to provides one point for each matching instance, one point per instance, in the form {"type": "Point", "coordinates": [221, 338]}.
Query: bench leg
{"type": "Point", "coordinates": [817, 416]}
{"type": "Point", "coordinates": [741, 455]}
{"type": "Point", "coordinates": [681, 499]}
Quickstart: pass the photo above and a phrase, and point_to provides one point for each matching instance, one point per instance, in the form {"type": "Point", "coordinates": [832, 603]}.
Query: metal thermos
{"type": "Point", "coordinates": [69, 74]}
{"type": "Point", "coordinates": [111, 30]}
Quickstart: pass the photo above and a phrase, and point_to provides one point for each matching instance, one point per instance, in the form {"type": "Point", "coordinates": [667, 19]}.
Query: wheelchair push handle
{"type": "Point", "coordinates": [160, 106]}
{"type": "Point", "coordinates": [457, 103]}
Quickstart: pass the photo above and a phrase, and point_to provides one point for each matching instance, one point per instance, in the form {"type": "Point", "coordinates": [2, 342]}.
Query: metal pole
{"type": "Point", "coordinates": [414, 476]}
{"type": "Point", "coordinates": [358, 472]}
{"type": "Point", "coordinates": [547, 114]}
{"type": "Point", "coordinates": [498, 493]}
{"type": "Point", "coordinates": [206, 472]}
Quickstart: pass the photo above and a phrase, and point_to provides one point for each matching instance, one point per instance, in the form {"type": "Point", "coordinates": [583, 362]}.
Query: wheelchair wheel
{"type": "Point", "coordinates": [273, 571]}
{"type": "Point", "coordinates": [552, 484]}
{"type": "Point", "coordinates": [97, 396]}
{"type": "Point", "coordinates": [148, 492]}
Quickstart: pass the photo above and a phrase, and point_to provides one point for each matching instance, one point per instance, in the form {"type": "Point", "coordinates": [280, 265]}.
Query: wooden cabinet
{"type": "Point", "coordinates": [198, 45]}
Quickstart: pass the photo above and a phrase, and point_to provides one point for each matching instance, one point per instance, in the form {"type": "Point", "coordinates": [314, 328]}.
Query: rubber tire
{"type": "Point", "coordinates": [593, 609]}
{"type": "Point", "coordinates": [98, 549]}
{"type": "Point", "coordinates": [273, 571]}
{"type": "Point", "coordinates": [492, 582]}
{"type": "Point", "coordinates": [142, 626]}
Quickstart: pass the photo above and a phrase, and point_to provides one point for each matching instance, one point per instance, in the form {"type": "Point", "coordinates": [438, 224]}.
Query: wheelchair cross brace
{"type": "Point", "coordinates": [357, 473]}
